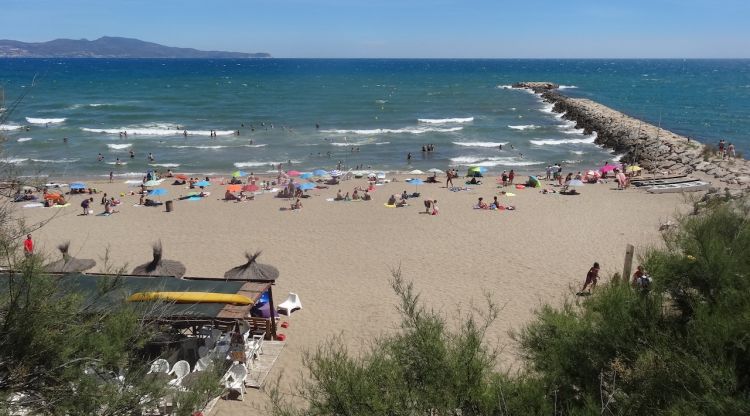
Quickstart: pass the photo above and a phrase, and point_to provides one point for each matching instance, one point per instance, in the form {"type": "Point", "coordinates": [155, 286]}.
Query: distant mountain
{"type": "Point", "coordinates": [109, 47]}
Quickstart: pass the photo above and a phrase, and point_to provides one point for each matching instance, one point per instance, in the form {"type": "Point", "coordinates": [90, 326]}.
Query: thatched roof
{"type": "Point", "coordinates": [69, 264]}
{"type": "Point", "coordinates": [159, 266]}
{"type": "Point", "coordinates": [252, 270]}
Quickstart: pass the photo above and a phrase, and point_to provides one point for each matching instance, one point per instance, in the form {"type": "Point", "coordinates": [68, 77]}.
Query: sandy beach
{"type": "Point", "coordinates": [338, 255]}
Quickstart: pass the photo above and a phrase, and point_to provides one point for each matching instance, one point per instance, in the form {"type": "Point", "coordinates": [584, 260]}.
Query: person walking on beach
{"type": "Point", "coordinates": [28, 246]}
{"type": "Point", "coordinates": [511, 176]}
{"type": "Point", "coordinates": [591, 278]}
{"type": "Point", "coordinates": [732, 153]}
{"type": "Point", "coordinates": [449, 180]}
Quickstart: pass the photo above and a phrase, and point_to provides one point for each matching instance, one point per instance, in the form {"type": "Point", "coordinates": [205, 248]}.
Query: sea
{"type": "Point", "coordinates": [366, 114]}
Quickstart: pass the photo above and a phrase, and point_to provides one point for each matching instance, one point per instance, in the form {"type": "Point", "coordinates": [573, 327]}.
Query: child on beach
{"type": "Point", "coordinates": [591, 278]}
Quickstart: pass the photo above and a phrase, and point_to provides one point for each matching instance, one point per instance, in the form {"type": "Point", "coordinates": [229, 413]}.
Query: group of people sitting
{"type": "Point", "coordinates": [355, 196]}
{"type": "Point", "coordinates": [495, 204]}
{"type": "Point", "coordinates": [229, 196]}
{"type": "Point", "coordinates": [109, 205]}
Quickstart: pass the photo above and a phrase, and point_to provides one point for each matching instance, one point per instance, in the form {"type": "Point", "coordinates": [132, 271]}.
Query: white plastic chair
{"type": "Point", "coordinates": [257, 343]}
{"type": "Point", "coordinates": [180, 370]}
{"type": "Point", "coordinates": [202, 351]}
{"type": "Point", "coordinates": [203, 364]}
{"type": "Point", "coordinates": [159, 366]}
{"type": "Point", "coordinates": [234, 379]}
{"type": "Point", "coordinates": [291, 303]}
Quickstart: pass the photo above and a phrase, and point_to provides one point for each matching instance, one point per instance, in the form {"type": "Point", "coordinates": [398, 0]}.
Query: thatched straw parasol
{"type": "Point", "coordinates": [159, 266]}
{"type": "Point", "coordinates": [252, 270]}
{"type": "Point", "coordinates": [69, 264]}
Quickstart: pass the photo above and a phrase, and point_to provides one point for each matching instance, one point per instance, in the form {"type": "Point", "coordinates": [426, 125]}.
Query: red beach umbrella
{"type": "Point", "coordinates": [250, 188]}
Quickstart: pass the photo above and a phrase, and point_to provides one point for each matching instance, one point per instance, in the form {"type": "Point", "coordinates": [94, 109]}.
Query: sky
{"type": "Point", "coordinates": [401, 28]}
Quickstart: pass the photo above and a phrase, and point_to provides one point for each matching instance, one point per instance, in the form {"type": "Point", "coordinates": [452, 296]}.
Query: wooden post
{"type": "Point", "coordinates": [628, 263]}
{"type": "Point", "coordinates": [273, 312]}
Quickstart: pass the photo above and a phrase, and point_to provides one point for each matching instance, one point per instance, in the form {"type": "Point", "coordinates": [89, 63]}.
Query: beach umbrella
{"type": "Point", "coordinates": [157, 192]}
{"type": "Point", "coordinates": [607, 168]}
{"type": "Point", "coordinates": [534, 182]}
{"type": "Point", "coordinates": [416, 182]}
{"type": "Point", "coordinates": [151, 183]}
{"type": "Point", "coordinates": [239, 173]}
{"type": "Point", "coordinates": [202, 184]}
{"type": "Point", "coordinates": [435, 170]}
{"type": "Point", "coordinates": [480, 169]}
{"type": "Point", "coordinates": [234, 188]}
{"type": "Point", "coordinates": [320, 172]}
{"type": "Point", "coordinates": [159, 266]}
{"type": "Point", "coordinates": [380, 175]}
{"type": "Point", "coordinates": [77, 185]}
{"type": "Point", "coordinates": [416, 172]}
{"type": "Point", "coordinates": [252, 270]}
{"type": "Point", "coordinates": [306, 175]}
{"type": "Point", "coordinates": [634, 168]}
{"type": "Point", "coordinates": [305, 186]}
{"type": "Point", "coordinates": [293, 173]}
{"type": "Point", "coordinates": [181, 176]}
{"type": "Point", "coordinates": [574, 183]}
{"type": "Point", "coordinates": [335, 173]}
{"type": "Point", "coordinates": [250, 188]}
{"type": "Point", "coordinates": [69, 264]}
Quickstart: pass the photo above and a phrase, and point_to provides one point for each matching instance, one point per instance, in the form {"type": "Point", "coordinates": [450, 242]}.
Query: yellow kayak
{"type": "Point", "coordinates": [190, 297]}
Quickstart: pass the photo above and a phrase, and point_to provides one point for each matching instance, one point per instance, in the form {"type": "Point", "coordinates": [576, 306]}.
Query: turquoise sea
{"type": "Point", "coordinates": [370, 113]}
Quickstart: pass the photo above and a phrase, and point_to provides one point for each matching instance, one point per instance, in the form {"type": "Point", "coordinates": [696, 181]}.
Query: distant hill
{"type": "Point", "coordinates": [109, 47]}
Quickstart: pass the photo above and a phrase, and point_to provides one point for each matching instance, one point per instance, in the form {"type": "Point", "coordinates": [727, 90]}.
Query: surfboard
{"type": "Point", "coordinates": [190, 297]}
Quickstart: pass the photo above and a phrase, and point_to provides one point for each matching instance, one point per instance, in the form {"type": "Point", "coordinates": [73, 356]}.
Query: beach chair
{"type": "Point", "coordinates": [257, 344]}
{"type": "Point", "coordinates": [203, 364]}
{"type": "Point", "coordinates": [180, 370]}
{"type": "Point", "coordinates": [234, 379]}
{"type": "Point", "coordinates": [291, 304]}
{"type": "Point", "coordinates": [203, 351]}
{"type": "Point", "coordinates": [159, 366]}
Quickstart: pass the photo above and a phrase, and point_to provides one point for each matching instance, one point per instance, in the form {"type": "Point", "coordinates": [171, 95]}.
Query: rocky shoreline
{"type": "Point", "coordinates": [655, 149]}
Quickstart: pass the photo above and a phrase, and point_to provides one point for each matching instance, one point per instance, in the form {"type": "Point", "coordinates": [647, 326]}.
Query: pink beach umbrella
{"type": "Point", "coordinates": [608, 168]}
{"type": "Point", "coordinates": [293, 173]}
{"type": "Point", "coordinates": [250, 188]}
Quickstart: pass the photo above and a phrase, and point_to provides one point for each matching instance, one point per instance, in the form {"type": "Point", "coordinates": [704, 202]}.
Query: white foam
{"type": "Point", "coordinates": [505, 87]}
{"type": "Point", "coordinates": [547, 108]}
{"type": "Point", "coordinates": [43, 121]}
{"type": "Point", "coordinates": [573, 131]}
{"type": "Point", "coordinates": [126, 174]}
{"type": "Point", "coordinates": [119, 146]}
{"type": "Point", "coordinates": [480, 144]}
{"type": "Point", "coordinates": [381, 101]}
{"type": "Point", "coordinates": [257, 164]}
{"type": "Point", "coordinates": [408, 130]}
{"type": "Point", "coordinates": [492, 161]}
{"type": "Point", "coordinates": [118, 164]}
{"type": "Point", "coordinates": [13, 160]}
{"type": "Point", "coordinates": [617, 158]}
{"type": "Point", "coordinates": [524, 127]}
{"type": "Point", "coordinates": [379, 143]}
{"type": "Point", "coordinates": [445, 120]}
{"type": "Point", "coordinates": [9, 127]}
{"type": "Point", "coordinates": [54, 161]}
{"type": "Point", "coordinates": [165, 165]}
{"type": "Point", "coordinates": [215, 147]}
{"type": "Point", "coordinates": [555, 142]}
{"type": "Point", "coordinates": [23, 139]}
{"type": "Point", "coordinates": [577, 152]}
{"type": "Point", "coordinates": [349, 144]}
{"type": "Point", "coordinates": [157, 129]}
{"type": "Point", "coordinates": [566, 87]}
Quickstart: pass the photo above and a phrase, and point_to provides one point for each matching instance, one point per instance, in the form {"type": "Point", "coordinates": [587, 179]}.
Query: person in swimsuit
{"type": "Point", "coordinates": [591, 278]}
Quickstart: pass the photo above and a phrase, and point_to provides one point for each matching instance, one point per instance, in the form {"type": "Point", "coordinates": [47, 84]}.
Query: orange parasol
{"type": "Point", "coordinates": [234, 188]}
{"type": "Point", "coordinates": [181, 176]}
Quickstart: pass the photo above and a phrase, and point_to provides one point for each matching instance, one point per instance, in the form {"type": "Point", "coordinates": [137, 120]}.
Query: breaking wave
{"type": "Point", "coordinates": [524, 127]}
{"type": "Point", "coordinates": [43, 121]}
{"type": "Point", "coordinates": [492, 161]}
{"type": "Point", "coordinates": [556, 142]}
{"type": "Point", "coordinates": [408, 130]}
{"type": "Point", "coordinates": [119, 146]}
{"type": "Point", "coordinates": [480, 144]}
{"type": "Point", "coordinates": [157, 129]}
{"type": "Point", "coordinates": [445, 120]}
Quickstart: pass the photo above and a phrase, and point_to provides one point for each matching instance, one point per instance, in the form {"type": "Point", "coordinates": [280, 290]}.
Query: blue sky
{"type": "Point", "coordinates": [402, 28]}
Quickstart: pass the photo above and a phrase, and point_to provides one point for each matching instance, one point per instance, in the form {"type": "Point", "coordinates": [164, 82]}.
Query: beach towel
{"type": "Point", "coordinates": [330, 199]}
{"type": "Point", "coordinates": [389, 206]}
{"type": "Point", "coordinates": [509, 194]}
{"type": "Point", "coordinates": [61, 206]}
{"type": "Point", "coordinates": [34, 205]}
{"type": "Point", "coordinates": [520, 186]}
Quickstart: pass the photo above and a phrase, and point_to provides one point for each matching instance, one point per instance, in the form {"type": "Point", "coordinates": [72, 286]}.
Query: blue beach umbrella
{"type": "Point", "coordinates": [416, 182]}
{"type": "Point", "coordinates": [239, 173]}
{"type": "Point", "coordinates": [335, 173]}
{"type": "Point", "coordinates": [157, 192]}
{"type": "Point", "coordinates": [320, 172]}
{"type": "Point", "coordinates": [77, 185]}
{"type": "Point", "coordinates": [305, 186]}
{"type": "Point", "coordinates": [202, 184]}
{"type": "Point", "coordinates": [306, 175]}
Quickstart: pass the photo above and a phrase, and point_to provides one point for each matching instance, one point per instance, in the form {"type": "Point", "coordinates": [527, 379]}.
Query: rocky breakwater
{"type": "Point", "coordinates": [653, 148]}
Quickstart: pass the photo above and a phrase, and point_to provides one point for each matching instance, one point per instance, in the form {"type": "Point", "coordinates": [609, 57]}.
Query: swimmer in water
{"type": "Point", "coordinates": [117, 162]}
{"type": "Point", "coordinates": [99, 157]}
{"type": "Point", "coordinates": [184, 133]}
{"type": "Point", "coordinates": [151, 157]}
{"type": "Point", "coordinates": [132, 154]}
